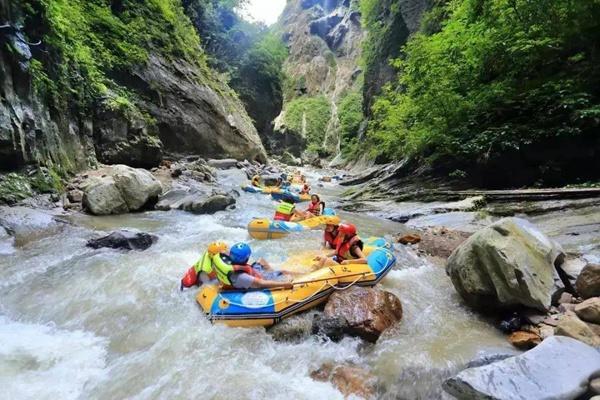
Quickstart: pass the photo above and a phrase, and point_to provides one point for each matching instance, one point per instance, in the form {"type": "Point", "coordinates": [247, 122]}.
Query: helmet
{"type": "Point", "coordinates": [331, 220]}
{"type": "Point", "coordinates": [284, 176]}
{"type": "Point", "coordinates": [328, 212]}
{"type": "Point", "coordinates": [347, 229]}
{"type": "Point", "coordinates": [240, 253]}
{"type": "Point", "coordinates": [217, 247]}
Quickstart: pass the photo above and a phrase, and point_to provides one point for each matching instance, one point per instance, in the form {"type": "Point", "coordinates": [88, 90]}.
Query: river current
{"type": "Point", "coordinates": [78, 323]}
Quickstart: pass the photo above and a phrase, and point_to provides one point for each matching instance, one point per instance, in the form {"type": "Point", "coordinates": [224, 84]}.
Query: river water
{"type": "Point", "coordinates": [77, 323]}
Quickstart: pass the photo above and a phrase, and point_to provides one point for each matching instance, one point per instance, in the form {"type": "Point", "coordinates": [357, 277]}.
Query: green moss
{"type": "Point", "coordinates": [351, 116]}
{"type": "Point", "coordinates": [14, 188]}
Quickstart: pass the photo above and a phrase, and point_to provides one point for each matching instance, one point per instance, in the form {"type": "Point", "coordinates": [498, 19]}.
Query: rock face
{"type": "Point", "coordinates": [349, 379]}
{"type": "Point", "coordinates": [191, 111]}
{"type": "Point", "coordinates": [124, 240]}
{"type": "Point", "coordinates": [119, 189]}
{"type": "Point", "coordinates": [324, 39]}
{"type": "Point", "coordinates": [588, 281]}
{"type": "Point", "coordinates": [559, 368]}
{"type": "Point", "coordinates": [368, 312]}
{"type": "Point", "coordinates": [507, 264]}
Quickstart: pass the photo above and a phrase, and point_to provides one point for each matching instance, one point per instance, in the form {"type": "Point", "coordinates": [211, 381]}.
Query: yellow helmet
{"type": "Point", "coordinates": [217, 247]}
{"type": "Point", "coordinates": [331, 220]}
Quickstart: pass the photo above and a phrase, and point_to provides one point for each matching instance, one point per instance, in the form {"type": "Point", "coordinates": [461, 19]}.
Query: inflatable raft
{"type": "Point", "coordinates": [280, 194]}
{"type": "Point", "coordinates": [266, 307]}
{"type": "Point", "coordinates": [259, 189]}
{"type": "Point", "coordinates": [264, 228]}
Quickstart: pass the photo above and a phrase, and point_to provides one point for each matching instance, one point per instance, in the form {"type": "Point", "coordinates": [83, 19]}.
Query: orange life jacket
{"type": "Point", "coordinates": [329, 238]}
{"type": "Point", "coordinates": [315, 208]}
{"type": "Point", "coordinates": [343, 249]}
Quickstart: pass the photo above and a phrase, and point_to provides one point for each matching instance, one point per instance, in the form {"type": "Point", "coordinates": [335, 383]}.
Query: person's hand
{"type": "Point", "coordinates": [345, 262]}
{"type": "Point", "coordinates": [288, 285]}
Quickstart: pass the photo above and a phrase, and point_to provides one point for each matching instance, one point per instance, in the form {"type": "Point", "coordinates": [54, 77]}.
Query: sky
{"type": "Point", "coordinates": [266, 11]}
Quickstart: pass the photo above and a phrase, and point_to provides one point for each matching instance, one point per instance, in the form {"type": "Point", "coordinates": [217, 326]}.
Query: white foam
{"type": "Point", "coordinates": [42, 362]}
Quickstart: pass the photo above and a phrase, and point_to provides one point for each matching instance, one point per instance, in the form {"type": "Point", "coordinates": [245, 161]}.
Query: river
{"type": "Point", "coordinates": [78, 323]}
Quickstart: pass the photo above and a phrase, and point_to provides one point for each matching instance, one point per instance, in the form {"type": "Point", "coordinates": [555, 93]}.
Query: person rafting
{"type": "Point", "coordinates": [305, 189]}
{"type": "Point", "coordinates": [286, 210]}
{"type": "Point", "coordinates": [348, 248]}
{"type": "Point", "coordinates": [331, 231]}
{"type": "Point", "coordinates": [256, 181]}
{"type": "Point", "coordinates": [315, 208]}
{"type": "Point", "coordinates": [234, 272]}
{"type": "Point", "coordinates": [202, 271]}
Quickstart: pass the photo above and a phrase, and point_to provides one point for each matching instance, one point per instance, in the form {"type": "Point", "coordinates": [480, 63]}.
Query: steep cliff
{"type": "Point", "coordinates": [324, 41]}
{"type": "Point", "coordinates": [116, 82]}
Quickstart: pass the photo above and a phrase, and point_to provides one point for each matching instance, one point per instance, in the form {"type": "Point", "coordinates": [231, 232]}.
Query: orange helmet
{"type": "Point", "coordinates": [217, 247]}
{"type": "Point", "coordinates": [347, 229]}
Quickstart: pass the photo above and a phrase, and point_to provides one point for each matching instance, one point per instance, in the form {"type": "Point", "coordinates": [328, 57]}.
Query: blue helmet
{"type": "Point", "coordinates": [284, 176]}
{"type": "Point", "coordinates": [329, 211]}
{"type": "Point", "coordinates": [240, 253]}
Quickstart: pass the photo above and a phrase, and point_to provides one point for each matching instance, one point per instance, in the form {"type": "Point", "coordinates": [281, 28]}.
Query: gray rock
{"type": "Point", "coordinates": [505, 265]}
{"type": "Point", "coordinates": [294, 329]}
{"type": "Point", "coordinates": [119, 189]}
{"type": "Point", "coordinates": [125, 240]}
{"type": "Point", "coordinates": [7, 242]}
{"type": "Point", "coordinates": [588, 281]}
{"type": "Point", "coordinates": [211, 205]}
{"type": "Point", "coordinates": [27, 224]}
{"type": "Point", "coordinates": [223, 164]}
{"type": "Point", "coordinates": [595, 386]}
{"type": "Point", "coordinates": [195, 201]}
{"type": "Point", "coordinates": [333, 327]}
{"type": "Point", "coordinates": [558, 368]}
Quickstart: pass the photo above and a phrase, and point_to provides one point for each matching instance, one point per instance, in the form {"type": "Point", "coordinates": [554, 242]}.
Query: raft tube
{"type": "Point", "coordinates": [265, 229]}
{"type": "Point", "coordinates": [259, 189]}
{"type": "Point", "coordinates": [237, 308]}
{"type": "Point", "coordinates": [280, 194]}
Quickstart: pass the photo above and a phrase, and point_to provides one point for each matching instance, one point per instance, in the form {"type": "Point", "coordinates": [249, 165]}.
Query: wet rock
{"type": "Point", "coordinates": [410, 238]}
{"type": "Point", "coordinates": [368, 311]}
{"type": "Point", "coordinates": [524, 340]}
{"type": "Point", "coordinates": [595, 386]}
{"type": "Point", "coordinates": [325, 179]}
{"type": "Point", "coordinates": [75, 196]}
{"type": "Point", "coordinates": [506, 265]}
{"type": "Point", "coordinates": [533, 317]}
{"type": "Point", "coordinates": [558, 368]}
{"type": "Point", "coordinates": [349, 379]}
{"type": "Point", "coordinates": [223, 164]}
{"type": "Point", "coordinates": [288, 159]}
{"type": "Point", "coordinates": [563, 308]}
{"type": "Point", "coordinates": [124, 240]}
{"type": "Point", "coordinates": [565, 298]}
{"type": "Point", "coordinates": [441, 241]}
{"type": "Point", "coordinates": [589, 310]}
{"type": "Point", "coordinates": [487, 359]}
{"type": "Point", "coordinates": [294, 329]}
{"type": "Point", "coordinates": [570, 325]}
{"type": "Point", "coordinates": [588, 281]}
{"type": "Point", "coordinates": [333, 327]}
{"type": "Point", "coordinates": [7, 242]}
{"type": "Point", "coordinates": [195, 201]}
{"type": "Point", "coordinates": [26, 224]}
{"type": "Point", "coordinates": [119, 189]}
{"type": "Point", "coordinates": [511, 323]}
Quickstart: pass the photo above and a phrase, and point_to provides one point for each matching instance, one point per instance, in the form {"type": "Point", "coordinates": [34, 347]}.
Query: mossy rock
{"type": "Point", "coordinates": [14, 188]}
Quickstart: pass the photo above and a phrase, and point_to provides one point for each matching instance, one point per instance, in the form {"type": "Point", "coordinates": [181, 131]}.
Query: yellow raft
{"type": "Point", "coordinates": [266, 307]}
{"type": "Point", "coordinates": [264, 228]}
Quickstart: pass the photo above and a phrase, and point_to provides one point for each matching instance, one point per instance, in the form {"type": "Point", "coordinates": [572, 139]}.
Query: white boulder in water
{"type": "Point", "coordinates": [119, 189]}
{"type": "Point", "coordinates": [507, 264]}
{"type": "Point", "coordinates": [558, 368]}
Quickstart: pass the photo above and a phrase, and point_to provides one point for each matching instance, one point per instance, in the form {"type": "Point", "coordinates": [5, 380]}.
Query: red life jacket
{"type": "Point", "coordinates": [315, 208]}
{"type": "Point", "coordinates": [329, 238]}
{"type": "Point", "coordinates": [343, 249]}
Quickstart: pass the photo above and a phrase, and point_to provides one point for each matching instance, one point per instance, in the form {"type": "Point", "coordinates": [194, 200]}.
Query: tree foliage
{"type": "Point", "coordinates": [489, 77]}
{"type": "Point", "coordinates": [309, 116]}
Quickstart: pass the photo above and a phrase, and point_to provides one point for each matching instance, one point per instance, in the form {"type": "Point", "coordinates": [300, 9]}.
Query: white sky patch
{"type": "Point", "coordinates": [266, 11]}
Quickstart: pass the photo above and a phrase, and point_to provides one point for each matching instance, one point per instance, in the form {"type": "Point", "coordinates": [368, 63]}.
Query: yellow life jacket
{"type": "Point", "coordinates": [222, 269]}
{"type": "Point", "coordinates": [204, 264]}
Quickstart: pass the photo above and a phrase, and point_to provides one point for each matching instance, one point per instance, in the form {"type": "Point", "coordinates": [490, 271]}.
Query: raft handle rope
{"type": "Point", "coordinates": [287, 299]}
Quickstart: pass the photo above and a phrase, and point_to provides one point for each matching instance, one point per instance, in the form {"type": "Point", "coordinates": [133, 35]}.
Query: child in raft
{"type": "Point", "coordinates": [348, 247]}
{"type": "Point", "coordinates": [315, 208]}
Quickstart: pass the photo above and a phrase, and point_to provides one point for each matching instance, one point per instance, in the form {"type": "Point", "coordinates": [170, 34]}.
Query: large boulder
{"type": "Point", "coordinates": [559, 368]}
{"type": "Point", "coordinates": [588, 281]}
{"type": "Point", "coordinates": [194, 200]}
{"type": "Point", "coordinates": [570, 325]}
{"type": "Point", "coordinates": [505, 265]}
{"type": "Point", "coordinates": [124, 240]}
{"type": "Point", "coordinates": [25, 224]}
{"type": "Point", "coordinates": [224, 163]}
{"type": "Point", "coordinates": [368, 311]}
{"type": "Point", "coordinates": [119, 189]}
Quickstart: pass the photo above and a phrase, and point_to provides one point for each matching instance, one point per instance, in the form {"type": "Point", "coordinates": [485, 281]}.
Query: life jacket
{"type": "Point", "coordinates": [204, 264]}
{"type": "Point", "coordinates": [329, 238]}
{"type": "Point", "coordinates": [342, 249]}
{"type": "Point", "coordinates": [315, 209]}
{"type": "Point", "coordinates": [305, 189]}
{"type": "Point", "coordinates": [224, 269]}
{"type": "Point", "coordinates": [284, 211]}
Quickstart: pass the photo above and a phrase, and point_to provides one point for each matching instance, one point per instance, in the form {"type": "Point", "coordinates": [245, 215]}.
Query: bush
{"type": "Point", "coordinates": [309, 116]}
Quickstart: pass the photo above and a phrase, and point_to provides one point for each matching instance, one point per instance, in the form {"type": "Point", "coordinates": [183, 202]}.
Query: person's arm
{"type": "Point", "coordinates": [265, 284]}
{"type": "Point", "coordinates": [362, 259]}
